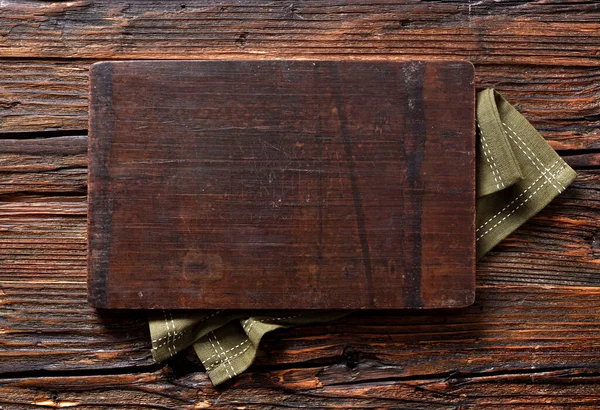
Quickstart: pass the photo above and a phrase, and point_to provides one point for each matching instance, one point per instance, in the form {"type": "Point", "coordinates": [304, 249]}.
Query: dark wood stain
{"type": "Point", "coordinates": [100, 210]}
{"type": "Point", "coordinates": [346, 138]}
{"type": "Point", "coordinates": [415, 134]}
{"type": "Point", "coordinates": [277, 184]}
{"type": "Point", "coordinates": [319, 192]}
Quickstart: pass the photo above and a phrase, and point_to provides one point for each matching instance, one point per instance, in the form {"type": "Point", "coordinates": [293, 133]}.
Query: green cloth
{"type": "Point", "coordinates": [518, 174]}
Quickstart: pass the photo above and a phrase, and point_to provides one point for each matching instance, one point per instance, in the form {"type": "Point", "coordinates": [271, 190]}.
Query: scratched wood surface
{"type": "Point", "coordinates": [281, 185]}
{"type": "Point", "coordinates": [532, 337]}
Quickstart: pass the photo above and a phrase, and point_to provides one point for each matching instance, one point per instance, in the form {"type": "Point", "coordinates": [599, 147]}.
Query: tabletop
{"type": "Point", "coordinates": [531, 338]}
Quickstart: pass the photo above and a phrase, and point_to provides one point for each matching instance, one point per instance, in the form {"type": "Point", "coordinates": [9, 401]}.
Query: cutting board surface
{"type": "Point", "coordinates": [281, 184]}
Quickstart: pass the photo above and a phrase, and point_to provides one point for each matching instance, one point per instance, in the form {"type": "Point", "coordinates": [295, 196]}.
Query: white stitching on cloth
{"type": "Point", "coordinates": [275, 319]}
{"type": "Point", "coordinates": [209, 316]}
{"type": "Point", "coordinates": [177, 335]}
{"type": "Point", "coordinates": [168, 332]}
{"type": "Point", "coordinates": [247, 330]}
{"type": "Point", "coordinates": [172, 322]}
{"type": "Point", "coordinates": [174, 331]}
{"type": "Point", "coordinates": [241, 343]}
{"type": "Point", "coordinates": [513, 211]}
{"type": "Point", "coordinates": [230, 350]}
{"type": "Point", "coordinates": [492, 163]}
{"type": "Point", "coordinates": [286, 317]}
{"type": "Point", "coordinates": [535, 156]}
{"type": "Point", "coordinates": [533, 153]}
{"type": "Point", "coordinates": [224, 352]}
{"type": "Point", "coordinates": [159, 339]}
{"type": "Point", "coordinates": [249, 327]}
{"type": "Point", "coordinates": [215, 350]}
{"type": "Point", "coordinates": [517, 198]}
{"type": "Point", "coordinates": [227, 359]}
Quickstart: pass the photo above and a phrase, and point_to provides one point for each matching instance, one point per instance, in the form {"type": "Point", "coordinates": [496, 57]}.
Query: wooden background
{"type": "Point", "coordinates": [533, 335]}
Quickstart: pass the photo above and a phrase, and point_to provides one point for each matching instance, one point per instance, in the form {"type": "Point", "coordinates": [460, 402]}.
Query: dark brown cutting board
{"type": "Point", "coordinates": [281, 184]}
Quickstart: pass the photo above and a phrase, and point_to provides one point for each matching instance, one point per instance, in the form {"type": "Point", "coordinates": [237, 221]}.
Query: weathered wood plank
{"type": "Point", "coordinates": [43, 95]}
{"type": "Point", "coordinates": [587, 160]}
{"type": "Point", "coordinates": [43, 166]}
{"type": "Point", "coordinates": [45, 322]}
{"type": "Point", "coordinates": [508, 328]}
{"type": "Point", "coordinates": [507, 351]}
{"type": "Point", "coordinates": [503, 32]}
{"type": "Point", "coordinates": [562, 102]}
{"type": "Point", "coordinates": [543, 56]}
{"type": "Point", "coordinates": [281, 185]}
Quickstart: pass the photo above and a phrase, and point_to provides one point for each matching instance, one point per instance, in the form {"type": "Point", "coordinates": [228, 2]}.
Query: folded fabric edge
{"type": "Point", "coordinates": [173, 331]}
{"type": "Point", "coordinates": [502, 169]}
{"type": "Point", "coordinates": [523, 135]}
{"type": "Point", "coordinates": [547, 194]}
{"type": "Point", "coordinates": [230, 350]}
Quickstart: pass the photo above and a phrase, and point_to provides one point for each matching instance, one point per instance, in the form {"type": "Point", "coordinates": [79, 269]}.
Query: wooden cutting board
{"type": "Point", "coordinates": [281, 184]}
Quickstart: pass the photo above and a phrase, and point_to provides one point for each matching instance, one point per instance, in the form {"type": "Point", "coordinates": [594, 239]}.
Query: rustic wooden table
{"type": "Point", "coordinates": [533, 335]}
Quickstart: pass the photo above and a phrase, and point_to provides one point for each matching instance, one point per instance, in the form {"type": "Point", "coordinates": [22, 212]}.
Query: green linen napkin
{"type": "Point", "coordinates": [518, 174]}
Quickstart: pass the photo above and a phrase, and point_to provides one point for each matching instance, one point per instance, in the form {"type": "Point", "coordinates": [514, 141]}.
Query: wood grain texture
{"type": "Point", "coordinates": [561, 102]}
{"type": "Point", "coordinates": [524, 32]}
{"type": "Point", "coordinates": [542, 55]}
{"type": "Point", "coordinates": [506, 351]}
{"type": "Point", "coordinates": [281, 184]}
{"type": "Point", "coordinates": [46, 324]}
{"type": "Point", "coordinates": [43, 95]}
{"type": "Point", "coordinates": [44, 166]}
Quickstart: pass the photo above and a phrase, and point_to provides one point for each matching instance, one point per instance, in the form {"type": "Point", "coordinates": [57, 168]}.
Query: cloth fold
{"type": "Point", "coordinates": [518, 174]}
